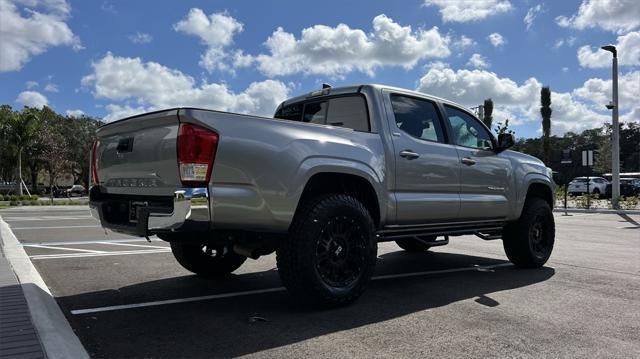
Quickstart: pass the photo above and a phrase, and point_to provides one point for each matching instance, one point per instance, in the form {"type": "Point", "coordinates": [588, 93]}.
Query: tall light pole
{"type": "Point", "coordinates": [615, 137]}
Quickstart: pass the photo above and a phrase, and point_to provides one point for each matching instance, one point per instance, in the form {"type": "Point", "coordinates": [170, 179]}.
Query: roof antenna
{"type": "Point", "coordinates": [326, 86]}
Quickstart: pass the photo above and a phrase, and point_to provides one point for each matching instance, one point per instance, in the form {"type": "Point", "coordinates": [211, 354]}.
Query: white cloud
{"type": "Point", "coordinates": [216, 31]}
{"type": "Point", "coordinates": [569, 41]}
{"type": "Point", "coordinates": [140, 38]}
{"type": "Point", "coordinates": [532, 13]}
{"type": "Point", "coordinates": [628, 47]}
{"type": "Point", "coordinates": [336, 51]}
{"type": "Point", "coordinates": [75, 113]}
{"type": "Point", "coordinates": [117, 112]}
{"type": "Point", "coordinates": [598, 91]}
{"type": "Point", "coordinates": [478, 61]}
{"type": "Point", "coordinates": [153, 86]}
{"type": "Point", "coordinates": [496, 39]}
{"type": "Point", "coordinates": [471, 87]}
{"type": "Point", "coordinates": [24, 37]}
{"type": "Point", "coordinates": [31, 84]}
{"type": "Point", "coordinates": [468, 10]}
{"type": "Point", "coordinates": [51, 87]}
{"type": "Point", "coordinates": [518, 102]}
{"type": "Point", "coordinates": [463, 42]}
{"type": "Point", "coordinates": [32, 99]}
{"type": "Point", "coordinates": [613, 15]}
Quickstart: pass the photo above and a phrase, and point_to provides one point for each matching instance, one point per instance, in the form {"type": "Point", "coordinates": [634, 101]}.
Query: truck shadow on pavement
{"type": "Point", "coordinates": [221, 327]}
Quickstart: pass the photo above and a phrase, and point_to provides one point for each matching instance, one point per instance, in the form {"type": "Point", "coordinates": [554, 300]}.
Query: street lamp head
{"type": "Point", "coordinates": [611, 49]}
{"type": "Point", "coordinates": [610, 105]}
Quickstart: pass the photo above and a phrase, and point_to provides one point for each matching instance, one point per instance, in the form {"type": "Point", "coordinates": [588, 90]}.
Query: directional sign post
{"type": "Point", "coordinates": [587, 161]}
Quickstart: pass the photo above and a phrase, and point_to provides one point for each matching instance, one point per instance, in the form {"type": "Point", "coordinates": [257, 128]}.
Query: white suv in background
{"type": "Point", "coordinates": [597, 185]}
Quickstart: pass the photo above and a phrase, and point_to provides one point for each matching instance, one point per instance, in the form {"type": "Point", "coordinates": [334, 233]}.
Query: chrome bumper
{"type": "Point", "coordinates": [191, 212]}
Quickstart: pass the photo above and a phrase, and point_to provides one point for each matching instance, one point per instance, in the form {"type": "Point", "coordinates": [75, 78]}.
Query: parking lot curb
{"type": "Point", "coordinates": [56, 335]}
{"type": "Point", "coordinates": [605, 211]}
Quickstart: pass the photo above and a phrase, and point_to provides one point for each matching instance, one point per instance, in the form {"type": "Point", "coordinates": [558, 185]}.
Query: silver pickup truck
{"type": "Point", "coordinates": [332, 174]}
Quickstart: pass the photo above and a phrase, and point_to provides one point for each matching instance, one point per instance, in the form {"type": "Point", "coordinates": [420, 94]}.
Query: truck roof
{"type": "Point", "coordinates": [357, 88]}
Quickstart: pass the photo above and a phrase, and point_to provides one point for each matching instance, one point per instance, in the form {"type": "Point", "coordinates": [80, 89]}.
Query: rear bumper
{"type": "Point", "coordinates": [188, 210]}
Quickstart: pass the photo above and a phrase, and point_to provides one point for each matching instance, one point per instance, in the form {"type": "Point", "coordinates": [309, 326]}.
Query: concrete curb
{"type": "Point", "coordinates": [598, 210]}
{"type": "Point", "coordinates": [56, 335]}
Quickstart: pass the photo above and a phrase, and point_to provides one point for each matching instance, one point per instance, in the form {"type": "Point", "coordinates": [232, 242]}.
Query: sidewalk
{"type": "Point", "coordinates": [18, 336]}
{"type": "Point", "coordinates": [32, 324]}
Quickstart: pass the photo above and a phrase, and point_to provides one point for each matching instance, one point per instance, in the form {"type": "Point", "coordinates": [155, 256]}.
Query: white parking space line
{"type": "Point", "coordinates": [132, 245]}
{"type": "Point", "coordinates": [45, 218]}
{"type": "Point", "coordinates": [62, 248]}
{"type": "Point", "coordinates": [103, 254]}
{"type": "Point", "coordinates": [270, 290]}
{"type": "Point", "coordinates": [54, 227]}
{"type": "Point", "coordinates": [97, 241]}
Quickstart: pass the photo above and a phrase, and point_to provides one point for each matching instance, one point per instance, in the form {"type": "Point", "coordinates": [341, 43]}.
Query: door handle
{"type": "Point", "coordinates": [409, 154]}
{"type": "Point", "coordinates": [468, 161]}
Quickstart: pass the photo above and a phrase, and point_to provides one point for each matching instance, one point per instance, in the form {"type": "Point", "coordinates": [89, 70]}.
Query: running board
{"type": "Point", "coordinates": [391, 234]}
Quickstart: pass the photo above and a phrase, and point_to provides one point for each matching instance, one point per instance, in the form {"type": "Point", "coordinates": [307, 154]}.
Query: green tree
{"type": "Point", "coordinates": [55, 150]}
{"type": "Point", "coordinates": [503, 127]}
{"type": "Point", "coordinates": [22, 132]}
{"type": "Point", "coordinates": [80, 132]}
{"type": "Point", "coordinates": [488, 112]}
{"type": "Point", "coordinates": [545, 111]}
{"type": "Point", "coordinates": [7, 150]}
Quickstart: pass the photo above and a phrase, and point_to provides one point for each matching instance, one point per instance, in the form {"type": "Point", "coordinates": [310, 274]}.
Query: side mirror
{"type": "Point", "coordinates": [505, 141]}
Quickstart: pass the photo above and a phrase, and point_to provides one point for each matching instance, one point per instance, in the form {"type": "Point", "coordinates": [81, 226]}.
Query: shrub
{"type": "Point", "coordinates": [33, 197]}
{"type": "Point", "coordinates": [629, 202]}
{"type": "Point", "coordinates": [13, 198]}
{"type": "Point", "coordinates": [585, 201]}
{"type": "Point", "coordinates": [34, 203]}
{"type": "Point", "coordinates": [14, 203]}
{"type": "Point", "coordinates": [1, 197]}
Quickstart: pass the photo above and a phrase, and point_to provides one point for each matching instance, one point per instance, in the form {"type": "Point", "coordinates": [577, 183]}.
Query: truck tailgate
{"type": "Point", "coordinates": [138, 155]}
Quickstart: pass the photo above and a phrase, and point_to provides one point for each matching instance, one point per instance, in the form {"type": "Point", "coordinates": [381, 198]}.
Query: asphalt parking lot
{"type": "Point", "coordinates": [125, 297]}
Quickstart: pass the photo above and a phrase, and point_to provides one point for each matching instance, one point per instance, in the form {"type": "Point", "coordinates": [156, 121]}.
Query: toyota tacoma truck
{"type": "Point", "coordinates": [333, 173]}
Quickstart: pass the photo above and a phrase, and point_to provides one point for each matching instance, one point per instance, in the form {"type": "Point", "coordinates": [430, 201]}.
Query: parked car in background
{"type": "Point", "coordinates": [76, 191]}
{"type": "Point", "coordinates": [629, 187]}
{"type": "Point", "coordinates": [578, 186]}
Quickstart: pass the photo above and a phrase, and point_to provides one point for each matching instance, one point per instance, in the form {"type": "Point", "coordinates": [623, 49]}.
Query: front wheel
{"type": "Point", "coordinates": [528, 242]}
{"type": "Point", "coordinates": [330, 253]}
{"type": "Point", "coordinates": [206, 260]}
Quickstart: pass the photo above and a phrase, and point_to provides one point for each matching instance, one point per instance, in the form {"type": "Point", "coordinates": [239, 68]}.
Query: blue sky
{"type": "Point", "coordinates": [110, 59]}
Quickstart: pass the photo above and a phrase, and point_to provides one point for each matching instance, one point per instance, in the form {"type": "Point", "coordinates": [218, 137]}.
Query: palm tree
{"type": "Point", "coordinates": [488, 111]}
{"type": "Point", "coordinates": [22, 131]}
{"type": "Point", "coordinates": [545, 111]}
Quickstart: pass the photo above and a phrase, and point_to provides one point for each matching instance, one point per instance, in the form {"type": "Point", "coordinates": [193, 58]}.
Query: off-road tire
{"type": "Point", "coordinates": [202, 260]}
{"type": "Point", "coordinates": [301, 257]}
{"type": "Point", "coordinates": [413, 244]}
{"type": "Point", "coordinates": [528, 242]}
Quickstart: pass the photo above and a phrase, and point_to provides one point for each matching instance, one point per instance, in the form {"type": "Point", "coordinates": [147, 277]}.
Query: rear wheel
{"type": "Point", "coordinates": [415, 244]}
{"type": "Point", "coordinates": [330, 253]}
{"type": "Point", "coordinates": [208, 260]}
{"type": "Point", "coordinates": [528, 242]}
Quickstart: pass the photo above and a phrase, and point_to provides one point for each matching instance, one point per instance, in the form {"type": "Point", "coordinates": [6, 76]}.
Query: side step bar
{"type": "Point", "coordinates": [485, 231]}
{"type": "Point", "coordinates": [435, 243]}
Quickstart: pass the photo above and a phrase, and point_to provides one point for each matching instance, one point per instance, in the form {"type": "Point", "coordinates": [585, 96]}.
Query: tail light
{"type": "Point", "coordinates": [94, 165]}
{"type": "Point", "coordinates": [196, 152]}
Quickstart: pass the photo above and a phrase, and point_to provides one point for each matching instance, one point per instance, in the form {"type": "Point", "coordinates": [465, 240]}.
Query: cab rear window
{"type": "Point", "coordinates": [344, 111]}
